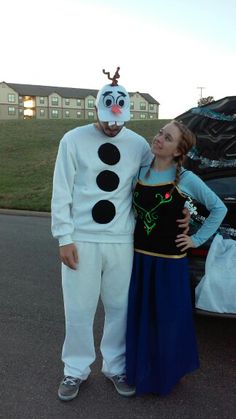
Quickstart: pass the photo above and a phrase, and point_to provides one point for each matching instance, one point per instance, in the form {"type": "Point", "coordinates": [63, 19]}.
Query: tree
{"type": "Point", "coordinates": [205, 100]}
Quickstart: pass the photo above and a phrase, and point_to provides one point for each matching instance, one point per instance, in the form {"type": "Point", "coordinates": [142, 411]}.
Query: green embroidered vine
{"type": "Point", "coordinates": [150, 217]}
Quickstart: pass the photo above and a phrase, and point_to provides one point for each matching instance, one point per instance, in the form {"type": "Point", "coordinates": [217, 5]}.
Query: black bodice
{"type": "Point", "coordinates": [157, 211]}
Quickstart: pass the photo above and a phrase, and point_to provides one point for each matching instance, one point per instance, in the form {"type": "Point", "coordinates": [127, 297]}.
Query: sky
{"type": "Point", "coordinates": [167, 48]}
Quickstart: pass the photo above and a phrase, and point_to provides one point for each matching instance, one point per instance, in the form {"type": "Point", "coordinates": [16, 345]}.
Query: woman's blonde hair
{"type": "Point", "coordinates": [186, 142]}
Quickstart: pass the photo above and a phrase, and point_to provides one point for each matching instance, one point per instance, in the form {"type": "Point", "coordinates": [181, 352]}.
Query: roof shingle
{"type": "Point", "coordinates": [65, 92]}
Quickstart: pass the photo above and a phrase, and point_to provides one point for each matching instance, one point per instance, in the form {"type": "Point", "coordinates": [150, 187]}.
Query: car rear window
{"type": "Point", "coordinates": [225, 187]}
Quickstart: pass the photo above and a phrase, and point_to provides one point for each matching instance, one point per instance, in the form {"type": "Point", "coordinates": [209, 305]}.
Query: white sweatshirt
{"type": "Point", "coordinates": [92, 185]}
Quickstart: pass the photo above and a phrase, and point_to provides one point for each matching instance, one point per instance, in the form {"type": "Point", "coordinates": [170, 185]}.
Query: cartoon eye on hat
{"type": "Point", "coordinates": [113, 102]}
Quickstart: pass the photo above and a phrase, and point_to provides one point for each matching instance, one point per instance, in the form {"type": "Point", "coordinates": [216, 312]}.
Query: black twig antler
{"type": "Point", "coordinates": [114, 78]}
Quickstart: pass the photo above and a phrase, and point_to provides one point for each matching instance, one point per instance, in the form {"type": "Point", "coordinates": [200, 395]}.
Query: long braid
{"type": "Point", "coordinates": [149, 169]}
{"type": "Point", "coordinates": [187, 141]}
{"type": "Point", "coordinates": [177, 174]}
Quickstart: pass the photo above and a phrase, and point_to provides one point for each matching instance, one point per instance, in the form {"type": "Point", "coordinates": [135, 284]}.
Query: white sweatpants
{"type": "Point", "coordinates": [103, 269]}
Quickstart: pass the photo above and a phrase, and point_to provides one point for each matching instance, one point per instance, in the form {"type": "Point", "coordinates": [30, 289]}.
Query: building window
{"type": "Point", "coordinates": [11, 110]}
{"type": "Point", "coordinates": [78, 114]}
{"type": "Point", "coordinates": [42, 112]}
{"type": "Point", "coordinates": [90, 103]}
{"type": "Point", "coordinates": [67, 102]}
{"type": "Point", "coordinates": [131, 116]}
{"type": "Point", "coordinates": [90, 114]}
{"type": "Point", "coordinates": [151, 107]}
{"type": "Point", "coordinates": [78, 102]}
{"type": "Point", "coordinates": [11, 97]}
{"type": "Point", "coordinates": [54, 113]}
{"type": "Point", "coordinates": [41, 100]}
{"type": "Point", "coordinates": [151, 116]}
{"type": "Point", "coordinates": [67, 114]}
{"type": "Point", "coordinates": [131, 105]}
{"type": "Point", "coordinates": [54, 101]}
{"type": "Point", "coordinates": [142, 116]}
{"type": "Point", "coordinates": [142, 106]}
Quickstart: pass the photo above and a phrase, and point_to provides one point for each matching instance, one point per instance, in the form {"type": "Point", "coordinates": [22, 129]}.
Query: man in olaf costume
{"type": "Point", "coordinates": [92, 219]}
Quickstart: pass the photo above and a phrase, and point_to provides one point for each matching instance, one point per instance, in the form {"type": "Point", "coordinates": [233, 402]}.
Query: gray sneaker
{"type": "Point", "coordinates": [69, 388]}
{"type": "Point", "coordinates": [121, 385]}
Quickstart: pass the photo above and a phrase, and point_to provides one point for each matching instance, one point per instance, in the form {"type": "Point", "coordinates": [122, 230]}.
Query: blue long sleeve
{"type": "Point", "coordinates": [194, 187]}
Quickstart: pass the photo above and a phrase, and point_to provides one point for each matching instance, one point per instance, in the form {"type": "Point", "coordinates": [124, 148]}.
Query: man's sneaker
{"type": "Point", "coordinates": [69, 388]}
{"type": "Point", "coordinates": [121, 385]}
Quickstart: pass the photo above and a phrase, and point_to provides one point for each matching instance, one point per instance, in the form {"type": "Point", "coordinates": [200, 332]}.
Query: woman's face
{"type": "Point", "coordinates": [165, 143]}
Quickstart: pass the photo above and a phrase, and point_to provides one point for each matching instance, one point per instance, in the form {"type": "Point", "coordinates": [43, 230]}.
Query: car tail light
{"type": "Point", "coordinates": [198, 252]}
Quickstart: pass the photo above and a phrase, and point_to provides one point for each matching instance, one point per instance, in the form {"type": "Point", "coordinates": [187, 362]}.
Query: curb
{"type": "Point", "coordinates": [24, 213]}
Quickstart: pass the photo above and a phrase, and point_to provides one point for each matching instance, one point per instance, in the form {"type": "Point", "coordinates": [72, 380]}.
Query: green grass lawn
{"type": "Point", "coordinates": [28, 151]}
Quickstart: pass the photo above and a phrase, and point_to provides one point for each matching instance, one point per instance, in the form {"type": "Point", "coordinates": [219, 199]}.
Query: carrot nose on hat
{"type": "Point", "coordinates": [116, 109]}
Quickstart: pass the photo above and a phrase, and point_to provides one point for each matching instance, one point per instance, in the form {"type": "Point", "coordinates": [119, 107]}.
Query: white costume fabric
{"type": "Point", "coordinates": [217, 289]}
{"type": "Point", "coordinates": [91, 207]}
{"type": "Point", "coordinates": [92, 186]}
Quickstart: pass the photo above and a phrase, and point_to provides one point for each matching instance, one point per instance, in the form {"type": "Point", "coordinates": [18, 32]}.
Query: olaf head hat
{"type": "Point", "coordinates": [113, 102]}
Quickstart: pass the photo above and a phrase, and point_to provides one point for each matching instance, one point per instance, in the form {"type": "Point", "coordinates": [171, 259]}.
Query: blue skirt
{"type": "Point", "coordinates": [161, 342]}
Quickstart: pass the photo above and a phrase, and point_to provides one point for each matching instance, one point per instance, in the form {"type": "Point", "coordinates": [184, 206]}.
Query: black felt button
{"type": "Point", "coordinates": [103, 211]}
{"type": "Point", "coordinates": [107, 180]}
{"type": "Point", "coordinates": [109, 153]}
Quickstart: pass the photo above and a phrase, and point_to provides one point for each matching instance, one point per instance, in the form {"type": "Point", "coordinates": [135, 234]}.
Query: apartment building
{"type": "Point", "coordinates": [21, 101]}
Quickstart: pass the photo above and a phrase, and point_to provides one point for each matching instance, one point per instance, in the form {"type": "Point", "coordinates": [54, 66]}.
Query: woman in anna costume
{"type": "Point", "coordinates": [161, 343]}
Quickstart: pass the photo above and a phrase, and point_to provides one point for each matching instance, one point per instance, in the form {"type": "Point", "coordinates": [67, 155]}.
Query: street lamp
{"type": "Point", "coordinates": [201, 89]}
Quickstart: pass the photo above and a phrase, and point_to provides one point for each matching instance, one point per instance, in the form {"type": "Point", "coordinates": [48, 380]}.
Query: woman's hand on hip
{"type": "Point", "coordinates": [184, 242]}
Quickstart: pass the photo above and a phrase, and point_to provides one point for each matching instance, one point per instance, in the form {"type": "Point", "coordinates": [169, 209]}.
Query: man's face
{"type": "Point", "coordinates": [110, 130]}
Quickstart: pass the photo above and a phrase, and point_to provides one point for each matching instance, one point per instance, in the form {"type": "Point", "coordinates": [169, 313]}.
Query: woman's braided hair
{"type": "Point", "coordinates": [186, 142]}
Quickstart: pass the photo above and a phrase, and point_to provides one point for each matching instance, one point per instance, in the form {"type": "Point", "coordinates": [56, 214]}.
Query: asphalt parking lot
{"type": "Point", "coordinates": [32, 332]}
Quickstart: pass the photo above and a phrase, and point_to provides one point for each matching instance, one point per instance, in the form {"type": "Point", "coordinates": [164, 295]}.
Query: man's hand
{"type": "Point", "coordinates": [184, 222]}
{"type": "Point", "coordinates": [184, 242]}
{"type": "Point", "coordinates": [69, 255]}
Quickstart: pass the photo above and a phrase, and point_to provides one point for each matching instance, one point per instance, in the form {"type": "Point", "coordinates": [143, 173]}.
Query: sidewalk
{"type": "Point", "coordinates": [24, 213]}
